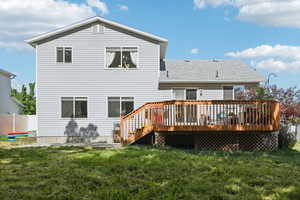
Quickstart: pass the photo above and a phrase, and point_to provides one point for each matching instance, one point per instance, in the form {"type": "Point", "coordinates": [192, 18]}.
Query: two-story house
{"type": "Point", "coordinates": [92, 72]}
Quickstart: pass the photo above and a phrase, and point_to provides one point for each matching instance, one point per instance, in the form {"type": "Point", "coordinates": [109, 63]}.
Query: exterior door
{"type": "Point", "coordinates": [179, 94]}
{"type": "Point", "coordinates": [228, 93]}
{"type": "Point", "coordinates": [191, 110]}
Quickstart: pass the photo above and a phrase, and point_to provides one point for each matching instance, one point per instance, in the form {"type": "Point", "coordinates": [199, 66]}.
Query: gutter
{"type": "Point", "coordinates": [209, 81]}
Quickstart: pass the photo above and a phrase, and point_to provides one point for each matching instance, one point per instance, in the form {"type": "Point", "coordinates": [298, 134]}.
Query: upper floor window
{"type": "Point", "coordinates": [121, 57]}
{"type": "Point", "coordinates": [64, 54]}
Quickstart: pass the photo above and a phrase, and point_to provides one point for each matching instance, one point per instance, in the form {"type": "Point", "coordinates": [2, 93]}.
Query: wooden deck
{"type": "Point", "coordinates": [170, 116]}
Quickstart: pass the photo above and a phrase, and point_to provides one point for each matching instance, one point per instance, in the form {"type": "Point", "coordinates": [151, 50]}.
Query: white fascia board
{"type": "Point", "coordinates": [207, 81]}
{"type": "Point", "coordinates": [32, 41]}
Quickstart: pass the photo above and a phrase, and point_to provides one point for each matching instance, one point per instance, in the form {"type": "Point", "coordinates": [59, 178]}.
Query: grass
{"type": "Point", "coordinates": [147, 173]}
{"type": "Point", "coordinates": [12, 144]}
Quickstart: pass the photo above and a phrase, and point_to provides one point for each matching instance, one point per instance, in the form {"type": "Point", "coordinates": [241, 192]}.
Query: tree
{"type": "Point", "coordinates": [27, 99]}
{"type": "Point", "coordinates": [258, 93]}
{"type": "Point", "coordinates": [289, 99]}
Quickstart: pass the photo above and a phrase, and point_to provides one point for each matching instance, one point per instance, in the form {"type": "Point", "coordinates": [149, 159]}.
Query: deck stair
{"type": "Point", "coordinates": [197, 116]}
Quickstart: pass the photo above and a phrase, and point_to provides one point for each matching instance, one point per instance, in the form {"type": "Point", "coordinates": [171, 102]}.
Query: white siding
{"type": "Point", "coordinates": [7, 105]}
{"type": "Point", "coordinates": [211, 93]}
{"type": "Point", "coordinates": [87, 76]}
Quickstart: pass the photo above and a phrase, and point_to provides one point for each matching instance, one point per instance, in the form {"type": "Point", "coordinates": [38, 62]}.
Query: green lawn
{"type": "Point", "coordinates": [147, 173]}
{"type": "Point", "coordinates": [12, 144]}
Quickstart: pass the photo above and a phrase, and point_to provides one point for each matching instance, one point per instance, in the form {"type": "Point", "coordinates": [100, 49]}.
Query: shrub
{"type": "Point", "coordinates": [286, 137]}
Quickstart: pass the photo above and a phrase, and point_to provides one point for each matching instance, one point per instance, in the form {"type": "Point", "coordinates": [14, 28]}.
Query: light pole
{"type": "Point", "coordinates": [268, 80]}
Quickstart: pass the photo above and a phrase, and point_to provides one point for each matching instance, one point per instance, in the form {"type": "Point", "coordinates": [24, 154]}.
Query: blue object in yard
{"type": "Point", "coordinates": [12, 139]}
{"type": "Point", "coordinates": [18, 135]}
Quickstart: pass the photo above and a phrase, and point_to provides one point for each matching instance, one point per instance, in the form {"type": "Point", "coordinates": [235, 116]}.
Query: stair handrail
{"type": "Point", "coordinates": [153, 113]}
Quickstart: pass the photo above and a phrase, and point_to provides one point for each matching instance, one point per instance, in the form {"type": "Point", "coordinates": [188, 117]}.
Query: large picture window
{"type": "Point", "coordinates": [74, 107]}
{"type": "Point", "coordinates": [121, 57]}
{"type": "Point", "coordinates": [64, 54]}
{"type": "Point", "coordinates": [118, 106]}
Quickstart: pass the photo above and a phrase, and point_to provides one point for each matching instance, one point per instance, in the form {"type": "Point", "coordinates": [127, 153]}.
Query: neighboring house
{"type": "Point", "coordinates": [8, 104]}
{"type": "Point", "coordinates": [91, 72]}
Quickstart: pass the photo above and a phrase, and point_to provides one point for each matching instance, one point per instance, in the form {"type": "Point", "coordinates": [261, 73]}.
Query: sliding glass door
{"type": "Point", "coordinates": [185, 112]}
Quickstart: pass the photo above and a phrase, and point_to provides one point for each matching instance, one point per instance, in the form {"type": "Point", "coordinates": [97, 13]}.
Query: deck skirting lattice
{"type": "Point", "coordinates": [264, 141]}
{"type": "Point", "coordinates": [160, 139]}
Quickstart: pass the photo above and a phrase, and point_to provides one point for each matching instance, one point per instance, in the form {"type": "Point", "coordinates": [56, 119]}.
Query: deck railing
{"type": "Point", "coordinates": [201, 116]}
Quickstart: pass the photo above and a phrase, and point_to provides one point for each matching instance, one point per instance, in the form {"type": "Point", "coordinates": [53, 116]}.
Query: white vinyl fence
{"type": "Point", "coordinates": [295, 130]}
{"type": "Point", "coordinates": [17, 123]}
{"type": "Point", "coordinates": [298, 132]}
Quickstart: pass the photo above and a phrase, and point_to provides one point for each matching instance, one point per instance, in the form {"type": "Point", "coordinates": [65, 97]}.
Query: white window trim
{"type": "Point", "coordinates": [69, 118]}
{"type": "Point", "coordinates": [116, 118]}
{"type": "Point", "coordinates": [68, 63]}
{"type": "Point", "coordinates": [120, 68]}
{"type": "Point", "coordinates": [200, 93]}
{"type": "Point", "coordinates": [185, 88]}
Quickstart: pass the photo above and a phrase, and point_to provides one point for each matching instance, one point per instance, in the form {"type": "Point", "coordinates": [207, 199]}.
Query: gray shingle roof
{"type": "Point", "coordinates": [208, 71]}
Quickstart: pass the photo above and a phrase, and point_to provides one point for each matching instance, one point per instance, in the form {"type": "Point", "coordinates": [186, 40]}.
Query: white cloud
{"type": "Point", "coordinates": [277, 65]}
{"type": "Point", "coordinates": [204, 3]}
{"type": "Point", "coordinates": [123, 7]}
{"type": "Point", "coordinates": [283, 13]}
{"type": "Point", "coordinates": [278, 51]}
{"type": "Point", "coordinates": [200, 3]}
{"type": "Point", "coordinates": [23, 20]}
{"type": "Point", "coordinates": [99, 5]}
{"type": "Point", "coordinates": [194, 51]}
{"type": "Point", "coordinates": [274, 58]}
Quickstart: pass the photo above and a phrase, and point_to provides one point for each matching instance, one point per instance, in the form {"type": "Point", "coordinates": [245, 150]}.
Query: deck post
{"type": "Point", "coordinates": [196, 139]}
{"type": "Point", "coordinates": [159, 139]}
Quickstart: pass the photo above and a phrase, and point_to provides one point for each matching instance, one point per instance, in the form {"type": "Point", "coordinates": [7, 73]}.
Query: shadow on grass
{"type": "Point", "coordinates": [142, 172]}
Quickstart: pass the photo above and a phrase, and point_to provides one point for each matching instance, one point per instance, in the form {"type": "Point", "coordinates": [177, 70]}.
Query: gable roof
{"type": "Point", "coordinates": [162, 41]}
{"type": "Point", "coordinates": [208, 71]}
{"type": "Point", "coordinates": [7, 73]}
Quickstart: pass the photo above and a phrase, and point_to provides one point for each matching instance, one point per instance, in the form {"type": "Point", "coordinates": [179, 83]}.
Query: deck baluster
{"type": "Point", "coordinates": [201, 115]}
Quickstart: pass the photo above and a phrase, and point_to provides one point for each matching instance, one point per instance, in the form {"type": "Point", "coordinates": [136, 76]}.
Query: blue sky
{"type": "Point", "coordinates": [263, 33]}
